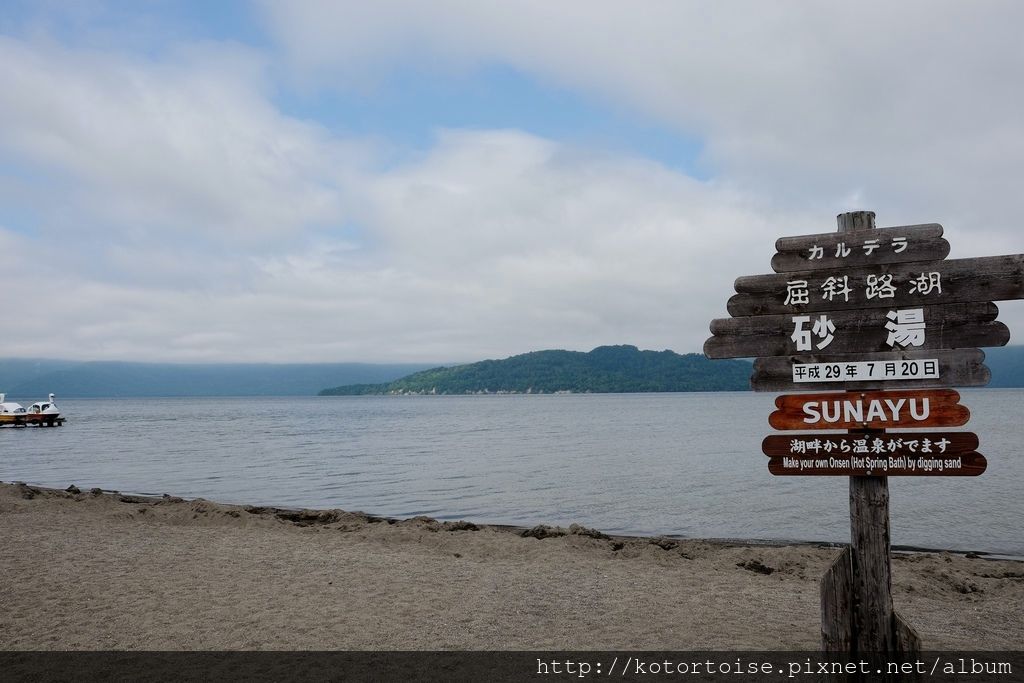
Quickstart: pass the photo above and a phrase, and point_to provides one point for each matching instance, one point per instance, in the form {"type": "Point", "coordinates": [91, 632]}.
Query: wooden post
{"type": "Point", "coordinates": [869, 532]}
{"type": "Point", "coordinates": [856, 592]}
{"type": "Point", "coordinates": [872, 570]}
{"type": "Point", "coordinates": [856, 221]}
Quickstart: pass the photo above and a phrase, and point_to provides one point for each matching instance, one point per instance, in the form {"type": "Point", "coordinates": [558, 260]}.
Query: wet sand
{"type": "Point", "coordinates": [101, 571]}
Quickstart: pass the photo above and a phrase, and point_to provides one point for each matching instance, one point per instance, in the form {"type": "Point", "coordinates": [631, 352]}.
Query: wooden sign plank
{"type": "Point", "coordinates": [835, 250]}
{"type": "Point", "coordinates": [859, 372]}
{"type": "Point", "coordinates": [949, 326]}
{"type": "Point", "coordinates": [869, 410]}
{"type": "Point", "coordinates": [966, 465]}
{"type": "Point", "coordinates": [911, 444]}
{"type": "Point", "coordinates": [902, 285]}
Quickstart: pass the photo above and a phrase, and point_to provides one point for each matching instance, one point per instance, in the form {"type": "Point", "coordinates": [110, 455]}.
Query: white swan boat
{"type": "Point", "coordinates": [41, 413]}
{"type": "Point", "coordinates": [11, 413]}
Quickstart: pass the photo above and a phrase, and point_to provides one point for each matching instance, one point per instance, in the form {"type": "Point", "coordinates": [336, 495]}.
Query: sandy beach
{"type": "Point", "coordinates": [86, 570]}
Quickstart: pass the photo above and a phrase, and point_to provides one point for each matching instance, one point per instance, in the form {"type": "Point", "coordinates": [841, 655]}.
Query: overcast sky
{"type": "Point", "coordinates": [449, 181]}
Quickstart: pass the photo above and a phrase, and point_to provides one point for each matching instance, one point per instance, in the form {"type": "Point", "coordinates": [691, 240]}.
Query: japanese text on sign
{"type": "Point", "coordinates": [906, 328]}
{"type": "Point", "coordinates": [842, 250]}
{"type": "Point", "coordinates": [861, 446]}
{"type": "Point", "coordinates": [865, 371]}
{"type": "Point", "coordinates": [876, 287]}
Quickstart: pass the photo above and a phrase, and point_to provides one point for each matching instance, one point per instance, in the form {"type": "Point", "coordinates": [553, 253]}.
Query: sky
{"type": "Point", "coordinates": [448, 181]}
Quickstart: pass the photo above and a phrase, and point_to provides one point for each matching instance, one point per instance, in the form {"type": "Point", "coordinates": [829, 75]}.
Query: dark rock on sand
{"type": "Point", "coordinates": [542, 531]}
{"type": "Point", "coordinates": [310, 517]}
{"type": "Point", "coordinates": [26, 491]}
{"type": "Point", "coordinates": [756, 566]}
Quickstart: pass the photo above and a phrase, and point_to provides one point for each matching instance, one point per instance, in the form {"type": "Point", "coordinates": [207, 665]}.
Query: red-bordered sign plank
{"type": "Point", "coordinates": [903, 285]}
{"type": "Point", "coordinates": [904, 244]}
{"type": "Point", "coordinates": [950, 326]}
{"type": "Point", "coordinates": [966, 465]}
{"type": "Point", "coordinates": [859, 372]}
{"type": "Point", "coordinates": [910, 444]}
{"type": "Point", "coordinates": [869, 410]}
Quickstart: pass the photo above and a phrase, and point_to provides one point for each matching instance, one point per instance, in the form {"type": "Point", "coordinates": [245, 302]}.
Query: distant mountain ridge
{"type": "Point", "coordinates": [606, 369]}
{"type": "Point", "coordinates": [35, 378]}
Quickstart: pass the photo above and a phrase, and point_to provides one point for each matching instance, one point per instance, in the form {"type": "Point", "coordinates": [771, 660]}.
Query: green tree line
{"type": "Point", "coordinates": [606, 369]}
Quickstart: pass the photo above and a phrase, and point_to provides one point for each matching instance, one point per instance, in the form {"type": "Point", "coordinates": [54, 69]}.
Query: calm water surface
{"type": "Point", "coordinates": [686, 464]}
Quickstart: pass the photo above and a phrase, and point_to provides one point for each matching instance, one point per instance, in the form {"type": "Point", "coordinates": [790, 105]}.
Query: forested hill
{"type": "Point", "coordinates": [606, 369]}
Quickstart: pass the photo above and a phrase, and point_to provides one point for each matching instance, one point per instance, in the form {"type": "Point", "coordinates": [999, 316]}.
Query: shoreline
{"type": "Point", "coordinates": [515, 528]}
{"type": "Point", "coordinates": [110, 571]}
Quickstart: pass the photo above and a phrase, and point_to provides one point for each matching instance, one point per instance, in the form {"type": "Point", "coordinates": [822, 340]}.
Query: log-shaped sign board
{"type": "Point", "coordinates": [950, 326]}
{"type": "Point", "coordinates": [909, 444]}
{"type": "Point", "coordinates": [966, 465]}
{"type": "Point", "coordinates": [883, 315]}
{"type": "Point", "coordinates": [902, 285]}
{"type": "Point", "coordinates": [869, 410]}
{"type": "Point", "coordinates": [895, 370]}
{"type": "Point", "coordinates": [836, 250]}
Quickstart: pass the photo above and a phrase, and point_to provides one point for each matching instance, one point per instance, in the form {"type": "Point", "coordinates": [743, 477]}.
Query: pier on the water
{"type": "Point", "coordinates": [31, 420]}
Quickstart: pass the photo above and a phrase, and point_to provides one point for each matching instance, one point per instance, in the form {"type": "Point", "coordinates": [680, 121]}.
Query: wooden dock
{"type": "Point", "coordinates": [30, 420]}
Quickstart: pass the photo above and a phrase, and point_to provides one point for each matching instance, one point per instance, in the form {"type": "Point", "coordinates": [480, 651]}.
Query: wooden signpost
{"type": "Point", "coordinates": [883, 317]}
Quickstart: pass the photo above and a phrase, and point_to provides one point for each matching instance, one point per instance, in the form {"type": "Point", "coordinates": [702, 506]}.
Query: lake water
{"type": "Point", "coordinates": [684, 464]}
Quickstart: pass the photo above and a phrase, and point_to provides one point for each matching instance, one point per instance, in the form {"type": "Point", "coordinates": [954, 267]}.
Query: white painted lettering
{"type": "Point", "coordinates": [834, 417]}
{"type": "Point", "coordinates": [925, 409]}
{"type": "Point", "coordinates": [859, 412]}
{"type": "Point", "coordinates": [895, 407]}
{"type": "Point", "coordinates": [875, 411]}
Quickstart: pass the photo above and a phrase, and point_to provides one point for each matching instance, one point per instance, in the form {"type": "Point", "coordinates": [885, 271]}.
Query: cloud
{"type": "Point", "coordinates": [531, 244]}
{"type": "Point", "coordinates": [179, 214]}
{"type": "Point", "coordinates": [499, 242]}
{"type": "Point", "coordinates": [192, 145]}
{"type": "Point", "coordinates": [196, 246]}
{"type": "Point", "coordinates": [913, 106]}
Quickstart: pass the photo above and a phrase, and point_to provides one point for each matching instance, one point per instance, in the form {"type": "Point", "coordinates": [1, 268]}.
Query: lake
{"type": "Point", "coordinates": [681, 464]}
